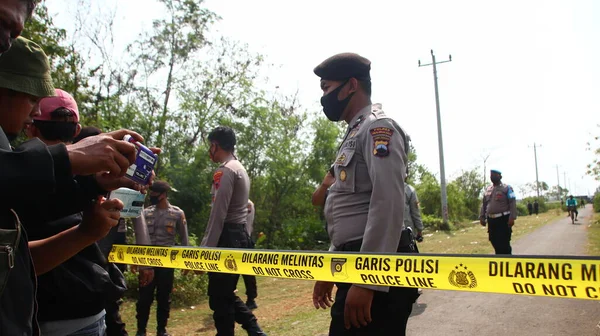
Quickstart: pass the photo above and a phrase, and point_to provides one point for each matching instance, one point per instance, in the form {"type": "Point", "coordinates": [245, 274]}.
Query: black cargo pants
{"type": "Point", "coordinates": [389, 311]}
{"type": "Point", "coordinates": [499, 234]}
{"type": "Point", "coordinates": [227, 307]}
{"type": "Point", "coordinates": [163, 283]}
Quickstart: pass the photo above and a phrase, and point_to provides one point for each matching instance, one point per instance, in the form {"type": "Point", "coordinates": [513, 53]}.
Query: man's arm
{"type": "Point", "coordinates": [415, 212]}
{"type": "Point", "coordinates": [483, 209]}
{"type": "Point", "coordinates": [183, 230]}
{"type": "Point", "coordinates": [220, 206]}
{"type": "Point", "coordinates": [33, 164]}
{"type": "Point", "coordinates": [140, 229]}
{"type": "Point", "coordinates": [97, 222]}
{"type": "Point", "coordinates": [386, 170]}
{"type": "Point", "coordinates": [512, 200]}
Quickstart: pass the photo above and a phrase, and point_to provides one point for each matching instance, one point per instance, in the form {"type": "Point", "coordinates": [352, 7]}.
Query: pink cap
{"type": "Point", "coordinates": [62, 99]}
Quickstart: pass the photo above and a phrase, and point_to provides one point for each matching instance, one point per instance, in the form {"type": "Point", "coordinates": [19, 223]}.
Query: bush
{"type": "Point", "coordinates": [522, 209]}
{"type": "Point", "coordinates": [434, 223]}
{"type": "Point", "coordinates": [597, 202]}
{"type": "Point", "coordinates": [300, 234]}
{"type": "Point", "coordinates": [188, 289]}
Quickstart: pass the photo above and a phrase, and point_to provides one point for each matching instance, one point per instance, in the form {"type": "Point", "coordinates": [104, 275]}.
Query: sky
{"type": "Point", "coordinates": [522, 72]}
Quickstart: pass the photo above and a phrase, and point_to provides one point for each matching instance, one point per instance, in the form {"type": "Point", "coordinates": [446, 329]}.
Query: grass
{"type": "Point", "coordinates": [593, 247]}
{"type": "Point", "coordinates": [285, 306]}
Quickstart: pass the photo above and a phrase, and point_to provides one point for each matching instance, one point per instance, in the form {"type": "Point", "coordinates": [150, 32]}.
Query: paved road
{"type": "Point", "coordinates": [456, 313]}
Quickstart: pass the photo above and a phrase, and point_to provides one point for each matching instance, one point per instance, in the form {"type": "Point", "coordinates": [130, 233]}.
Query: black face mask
{"type": "Point", "coordinates": [495, 179]}
{"type": "Point", "coordinates": [333, 107]}
{"type": "Point", "coordinates": [154, 200]}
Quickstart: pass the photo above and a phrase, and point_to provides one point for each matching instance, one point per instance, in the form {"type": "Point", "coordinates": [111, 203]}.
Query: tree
{"type": "Point", "coordinates": [469, 185]}
{"type": "Point", "coordinates": [173, 42]}
{"type": "Point", "coordinates": [593, 169]}
{"type": "Point", "coordinates": [66, 63]}
{"type": "Point", "coordinates": [327, 137]}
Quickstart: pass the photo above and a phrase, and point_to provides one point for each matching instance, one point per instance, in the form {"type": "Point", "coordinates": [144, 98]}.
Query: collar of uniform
{"type": "Point", "coordinates": [159, 209]}
{"type": "Point", "coordinates": [229, 158]}
{"type": "Point", "coordinates": [359, 116]}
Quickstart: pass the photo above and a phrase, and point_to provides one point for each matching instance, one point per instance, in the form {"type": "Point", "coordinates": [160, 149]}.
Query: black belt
{"type": "Point", "coordinates": [406, 244]}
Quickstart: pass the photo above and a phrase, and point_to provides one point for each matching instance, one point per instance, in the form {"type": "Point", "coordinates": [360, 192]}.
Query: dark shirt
{"type": "Point", "coordinates": [38, 184]}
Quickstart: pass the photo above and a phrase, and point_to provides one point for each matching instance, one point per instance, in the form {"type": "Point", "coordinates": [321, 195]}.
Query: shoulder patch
{"type": "Point", "coordinates": [217, 179]}
{"type": "Point", "coordinates": [510, 193]}
{"type": "Point", "coordinates": [381, 140]}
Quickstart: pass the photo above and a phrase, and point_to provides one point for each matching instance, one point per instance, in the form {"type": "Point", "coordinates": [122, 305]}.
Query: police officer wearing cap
{"type": "Point", "coordinates": [163, 221]}
{"type": "Point", "coordinates": [499, 208]}
{"type": "Point", "coordinates": [365, 206]}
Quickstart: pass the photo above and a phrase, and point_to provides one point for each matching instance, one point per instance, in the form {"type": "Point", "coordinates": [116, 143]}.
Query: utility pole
{"type": "Point", "coordinates": [440, 142]}
{"type": "Point", "coordinates": [484, 170]}
{"type": "Point", "coordinates": [558, 185]}
{"type": "Point", "coordinates": [537, 182]}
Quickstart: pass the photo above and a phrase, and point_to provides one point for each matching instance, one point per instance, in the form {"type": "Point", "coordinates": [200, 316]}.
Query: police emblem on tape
{"type": "Point", "coordinates": [230, 263]}
{"type": "Point", "coordinates": [381, 140]}
{"type": "Point", "coordinates": [120, 254]}
{"type": "Point", "coordinates": [173, 256]}
{"type": "Point", "coordinates": [338, 268]}
{"type": "Point", "coordinates": [461, 277]}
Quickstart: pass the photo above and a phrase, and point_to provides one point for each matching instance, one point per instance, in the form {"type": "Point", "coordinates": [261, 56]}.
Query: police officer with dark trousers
{"type": "Point", "coordinates": [163, 221]}
{"type": "Point", "coordinates": [499, 208]}
{"type": "Point", "coordinates": [365, 206]}
{"type": "Point", "coordinates": [227, 228]}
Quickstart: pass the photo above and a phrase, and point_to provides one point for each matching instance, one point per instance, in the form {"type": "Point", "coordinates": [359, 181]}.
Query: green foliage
{"type": "Point", "coordinates": [522, 209]}
{"type": "Point", "coordinates": [597, 202]}
{"type": "Point", "coordinates": [432, 222]}
{"type": "Point", "coordinates": [463, 194]}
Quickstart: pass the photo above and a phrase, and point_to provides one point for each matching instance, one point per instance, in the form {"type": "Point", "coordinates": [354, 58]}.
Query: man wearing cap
{"type": "Point", "coordinates": [227, 228]}
{"type": "Point", "coordinates": [39, 185]}
{"type": "Point", "coordinates": [71, 296]}
{"type": "Point", "coordinates": [365, 206]}
{"type": "Point", "coordinates": [499, 208]}
{"type": "Point", "coordinates": [163, 221]}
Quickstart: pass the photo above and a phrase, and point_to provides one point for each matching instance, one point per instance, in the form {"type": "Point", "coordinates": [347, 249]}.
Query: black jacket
{"type": "Point", "coordinates": [37, 183]}
{"type": "Point", "coordinates": [78, 287]}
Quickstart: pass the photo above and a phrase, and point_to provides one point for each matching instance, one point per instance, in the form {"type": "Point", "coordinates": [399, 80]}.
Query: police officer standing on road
{"type": "Point", "coordinates": [227, 228]}
{"type": "Point", "coordinates": [163, 221]}
{"type": "Point", "coordinates": [365, 206]}
{"type": "Point", "coordinates": [500, 209]}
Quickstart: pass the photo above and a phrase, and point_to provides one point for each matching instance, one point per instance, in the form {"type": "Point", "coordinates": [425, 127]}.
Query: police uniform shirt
{"type": "Point", "coordinates": [412, 213]}
{"type": "Point", "coordinates": [499, 199]}
{"type": "Point", "coordinates": [230, 191]}
{"type": "Point", "coordinates": [367, 199]}
{"type": "Point", "coordinates": [163, 224]}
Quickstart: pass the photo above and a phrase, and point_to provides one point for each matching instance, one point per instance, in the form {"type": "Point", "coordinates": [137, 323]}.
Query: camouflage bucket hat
{"type": "Point", "coordinates": [25, 68]}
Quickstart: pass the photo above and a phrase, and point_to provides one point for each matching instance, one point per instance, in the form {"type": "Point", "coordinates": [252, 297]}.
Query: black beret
{"type": "Point", "coordinates": [160, 186]}
{"type": "Point", "coordinates": [344, 66]}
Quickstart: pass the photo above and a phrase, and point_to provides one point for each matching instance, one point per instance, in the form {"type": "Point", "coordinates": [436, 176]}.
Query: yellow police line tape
{"type": "Point", "coordinates": [567, 277]}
